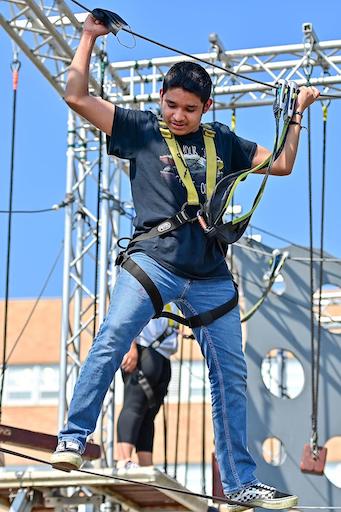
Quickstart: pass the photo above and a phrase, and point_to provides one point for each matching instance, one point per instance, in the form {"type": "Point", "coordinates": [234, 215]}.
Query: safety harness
{"type": "Point", "coordinates": [181, 218]}
{"type": "Point", "coordinates": [218, 199]}
{"type": "Point", "coordinates": [141, 378]}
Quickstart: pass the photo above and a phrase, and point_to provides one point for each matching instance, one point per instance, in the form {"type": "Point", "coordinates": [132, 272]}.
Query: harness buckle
{"type": "Point", "coordinates": [208, 230]}
{"type": "Point", "coordinates": [182, 216]}
{"type": "Point", "coordinates": [121, 257]}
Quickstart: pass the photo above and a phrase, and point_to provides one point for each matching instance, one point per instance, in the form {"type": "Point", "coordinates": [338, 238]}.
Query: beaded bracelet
{"type": "Point", "coordinates": [298, 124]}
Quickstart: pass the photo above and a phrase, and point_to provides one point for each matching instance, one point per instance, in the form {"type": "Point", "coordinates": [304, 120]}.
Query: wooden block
{"type": "Point", "coordinates": [40, 441]}
{"type": "Point", "coordinates": [217, 488]}
{"type": "Point", "coordinates": [311, 464]}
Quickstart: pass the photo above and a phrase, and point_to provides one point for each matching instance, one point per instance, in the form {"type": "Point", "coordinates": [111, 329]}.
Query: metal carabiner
{"type": "Point", "coordinates": [293, 90]}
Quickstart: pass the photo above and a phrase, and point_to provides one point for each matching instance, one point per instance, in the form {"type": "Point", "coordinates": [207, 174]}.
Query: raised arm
{"type": "Point", "coordinates": [285, 162]}
{"type": "Point", "coordinates": [97, 111]}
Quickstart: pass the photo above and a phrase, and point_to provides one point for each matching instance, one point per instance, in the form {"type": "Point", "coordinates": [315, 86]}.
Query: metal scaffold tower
{"type": "Point", "coordinates": [48, 33]}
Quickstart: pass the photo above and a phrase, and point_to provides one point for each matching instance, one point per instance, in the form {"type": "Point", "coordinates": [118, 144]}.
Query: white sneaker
{"type": "Point", "coordinates": [125, 466]}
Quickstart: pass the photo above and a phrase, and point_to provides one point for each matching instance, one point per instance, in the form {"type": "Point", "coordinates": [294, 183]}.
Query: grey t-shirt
{"type": "Point", "coordinates": [153, 330]}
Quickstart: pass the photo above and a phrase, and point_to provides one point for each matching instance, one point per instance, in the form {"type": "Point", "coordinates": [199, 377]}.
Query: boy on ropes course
{"type": "Point", "coordinates": [171, 258]}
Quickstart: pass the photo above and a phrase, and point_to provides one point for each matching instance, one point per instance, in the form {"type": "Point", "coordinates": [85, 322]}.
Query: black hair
{"type": "Point", "coordinates": [191, 77]}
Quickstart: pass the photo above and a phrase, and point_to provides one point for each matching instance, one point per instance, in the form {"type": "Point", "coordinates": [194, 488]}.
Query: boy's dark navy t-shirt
{"type": "Point", "coordinates": [158, 192]}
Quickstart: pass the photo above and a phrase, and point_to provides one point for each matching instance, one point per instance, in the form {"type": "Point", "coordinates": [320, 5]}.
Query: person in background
{"type": "Point", "coordinates": [146, 372]}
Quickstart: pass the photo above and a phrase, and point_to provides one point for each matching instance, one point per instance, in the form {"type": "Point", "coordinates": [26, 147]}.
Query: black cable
{"type": "Point", "coordinates": [252, 226]}
{"type": "Point", "coordinates": [189, 410]}
{"type": "Point", "coordinates": [203, 61]}
{"type": "Point", "coordinates": [315, 390]}
{"type": "Point", "coordinates": [177, 431]}
{"type": "Point", "coordinates": [15, 66]}
{"type": "Point", "coordinates": [30, 211]}
{"type": "Point", "coordinates": [311, 276]}
{"type": "Point", "coordinates": [233, 128]}
{"type": "Point", "coordinates": [153, 486]}
{"type": "Point", "coordinates": [283, 375]}
{"type": "Point", "coordinates": [185, 54]}
{"type": "Point", "coordinates": [127, 480]}
{"type": "Point", "coordinates": [165, 410]}
{"type": "Point", "coordinates": [213, 101]}
{"type": "Point", "coordinates": [203, 440]}
{"type": "Point", "coordinates": [103, 63]}
{"type": "Point", "coordinates": [107, 22]}
{"type": "Point", "coordinates": [35, 304]}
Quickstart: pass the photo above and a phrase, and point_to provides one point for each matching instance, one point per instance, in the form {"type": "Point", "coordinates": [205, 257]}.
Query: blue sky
{"type": "Point", "coordinates": [40, 161]}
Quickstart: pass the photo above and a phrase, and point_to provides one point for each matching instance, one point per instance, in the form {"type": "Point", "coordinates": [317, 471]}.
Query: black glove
{"type": "Point", "coordinates": [110, 19]}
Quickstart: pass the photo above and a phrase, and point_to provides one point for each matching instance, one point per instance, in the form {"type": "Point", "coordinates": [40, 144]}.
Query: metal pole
{"type": "Point", "coordinates": [66, 271]}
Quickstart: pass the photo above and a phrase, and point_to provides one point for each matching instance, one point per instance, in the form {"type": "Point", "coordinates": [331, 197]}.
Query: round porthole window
{"type": "Point", "coordinates": [332, 469]}
{"type": "Point", "coordinates": [282, 373]}
{"type": "Point", "coordinates": [273, 451]}
{"type": "Point", "coordinates": [330, 307]}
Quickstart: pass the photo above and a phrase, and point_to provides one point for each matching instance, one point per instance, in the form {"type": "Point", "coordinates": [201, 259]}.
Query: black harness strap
{"type": "Point", "coordinates": [141, 378]}
{"type": "Point", "coordinates": [193, 321]}
{"type": "Point", "coordinates": [156, 343]}
{"type": "Point", "coordinates": [147, 389]}
{"type": "Point", "coordinates": [135, 270]}
{"type": "Point", "coordinates": [166, 226]}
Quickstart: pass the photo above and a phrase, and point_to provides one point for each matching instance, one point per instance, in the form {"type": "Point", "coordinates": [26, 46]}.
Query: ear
{"type": "Point", "coordinates": [207, 105]}
{"type": "Point", "coordinates": [161, 94]}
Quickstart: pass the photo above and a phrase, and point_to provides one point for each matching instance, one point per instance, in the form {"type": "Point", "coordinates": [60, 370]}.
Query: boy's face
{"type": "Point", "coordinates": [182, 110]}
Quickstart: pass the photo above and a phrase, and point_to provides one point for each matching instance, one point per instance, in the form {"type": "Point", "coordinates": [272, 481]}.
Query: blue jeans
{"type": "Point", "coordinates": [220, 342]}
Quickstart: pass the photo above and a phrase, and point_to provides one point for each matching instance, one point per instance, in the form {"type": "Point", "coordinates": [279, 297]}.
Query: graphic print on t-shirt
{"type": "Point", "coordinates": [197, 167]}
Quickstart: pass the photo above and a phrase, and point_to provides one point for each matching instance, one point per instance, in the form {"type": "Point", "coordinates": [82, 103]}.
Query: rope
{"type": "Point", "coordinates": [54, 207]}
{"type": "Point", "coordinates": [189, 410]}
{"type": "Point", "coordinates": [313, 441]}
{"type": "Point", "coordinates": [15, 67]}
{"type": "Point", "coordinates": [203, 61]}
{"type": "Point", "coordinates": [165, 412]}
{"type": "Point", "coordinates": [252, 226]}
{"type": "Point", "coordinates": [178, 406]}
{"type": "Point", "coordinates": [153, 486]}
{"type": "Point", "coordinates": [122, 479]}
{"type": "Point", "coordinates": [103, 63]}
{"type": "Point", "coordinates": [203, 439]}
{"type": "Point", "coordinates": [214, 84]}
{"type": "Point", "coordinates": [44, 210]}
{"type": "Point", "coordinates": [194, 57]}
{"type": "Point", "coordinates": [315, 356]}
{"type": "Point", "coordinates": [233, 129]}
{"type": "Point", "coordinates": [34, 306]}
{"type": "Point", "coordinates": [292, 258]}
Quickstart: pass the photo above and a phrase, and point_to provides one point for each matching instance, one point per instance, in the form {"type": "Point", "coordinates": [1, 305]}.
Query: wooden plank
{"type": "Point", "coordinates": [133, 495]}
{"type": "Point", "coordinates": [40, 441]}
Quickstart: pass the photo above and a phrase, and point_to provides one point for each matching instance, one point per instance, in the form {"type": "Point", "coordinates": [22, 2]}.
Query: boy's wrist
{"type": "Point", "coordinates": [298, 114]}
{"type": "Point", "coordinates": [89, 36]}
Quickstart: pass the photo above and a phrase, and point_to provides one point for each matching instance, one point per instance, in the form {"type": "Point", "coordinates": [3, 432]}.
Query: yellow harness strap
{"type": "Point", "coordinates": [171, 323]}
{"type": "Point", "coordinates": [182, 167]}
{"type": "Point", "coordinates": [211, 160]}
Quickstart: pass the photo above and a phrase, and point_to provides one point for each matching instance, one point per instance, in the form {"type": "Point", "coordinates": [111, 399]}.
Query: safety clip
{"type": "Point", "coordinates": [293, 90]}
{"type": "Point", "coordinates": [280, 98]}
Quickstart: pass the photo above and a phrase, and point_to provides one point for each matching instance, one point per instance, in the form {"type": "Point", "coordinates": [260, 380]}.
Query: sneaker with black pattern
{"type": "Point", "coordinates": [260, 495]}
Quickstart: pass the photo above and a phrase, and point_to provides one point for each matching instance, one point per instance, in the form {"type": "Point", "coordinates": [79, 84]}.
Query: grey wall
{"type": "Point", "coordinates": [284, 322]}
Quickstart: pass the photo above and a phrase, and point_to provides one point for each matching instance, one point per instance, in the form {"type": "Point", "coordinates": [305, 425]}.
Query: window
{"type": "Point", "coordinates": [31, 385]}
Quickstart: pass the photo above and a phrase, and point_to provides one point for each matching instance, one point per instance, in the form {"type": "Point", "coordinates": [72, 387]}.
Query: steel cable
{"type": "Point", "coordinates": [154, 486]}
{"type": "Point", "coordinates": [15, 67]}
